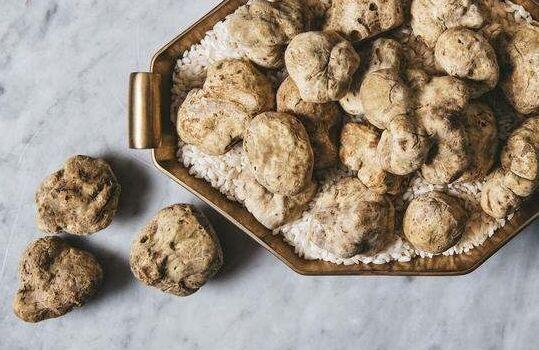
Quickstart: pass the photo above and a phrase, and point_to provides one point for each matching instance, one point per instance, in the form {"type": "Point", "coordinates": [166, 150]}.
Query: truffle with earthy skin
{"type": "Point", "coordinates": [263, 29]}
{"type": "Point", "coordinates": [54, 278]}
{"type": "Point", "coordinates": [387, 103]}
{"type": "Point", "coordinates": [81, 198]}
{"type": "Point", "coordinates": [177, 251]}
{"type": "Point", "coordinates": [518, 176]}
{"type": "Point", "coordinates": [321, 64]}
{"type": "Point", "coordinates": [270, 209]}
{"type": "Point", "coordinates": [214, 118]}
{"type": "Point", "coordinates": [520, 76]}
{"type": "Point", "coordinates": [358, 152]}
{"type": "Point", "coordinates": [352, 219]}
{"type": "Point", "coordinates": [466, 54]}
{"type": "Point", "coordinates": [322, 121]}
{"type": "Point", "coordinates": [359, 20]}
{"type": "Point", "coordinates": [279, 152]}
{"type": "Point", "coordinates": [434, 222]}
{"type": "Point", "coordinates": [431, 18]}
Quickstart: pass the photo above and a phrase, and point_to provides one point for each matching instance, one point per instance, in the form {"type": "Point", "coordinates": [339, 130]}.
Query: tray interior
{"type": "Point", "coordinates": [165, 159]}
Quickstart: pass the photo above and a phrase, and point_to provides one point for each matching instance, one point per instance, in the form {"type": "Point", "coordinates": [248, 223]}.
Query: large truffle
{"type": "Point", "coordinates": [214, 118]}
{"type": "Point", "coordinates": [322, 121]}
{"type": "Point", "coordinates": [279, 152]}
{"type": "Point", "coordinates": [350, 219]}
{"type": "Point", "coordinates": [322, 65]}
{"type": "Point", "coordinates": [81, 198]}
{"type": "Point", "coordinates": [466, 54]}
{"type": "Point", "coordinates": [177, 251]}
{"type": "Point", "coordinates": [431, 18]}
{"type": "Point", "coordinates": [387, 102]}
{"type": "Point", "coordinates": [520, 76]}
{"type": "Point", "coordinates": [434, 222]}
{"type": "Point", "coordinates": [358, 20]}
{"type": "Point", "coordinates": [263, 29]}
{"type": "Point", "coordinates": [54, 278]}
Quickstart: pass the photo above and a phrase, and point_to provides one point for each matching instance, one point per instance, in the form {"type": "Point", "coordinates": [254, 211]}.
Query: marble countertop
{"type": "Point", "coordinates": [64, 69]}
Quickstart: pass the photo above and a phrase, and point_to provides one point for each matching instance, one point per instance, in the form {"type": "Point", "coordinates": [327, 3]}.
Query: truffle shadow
{"type": "Point", "coordinates": [136, 185]}
{"type": "Point", "coordinates": [238, 248]}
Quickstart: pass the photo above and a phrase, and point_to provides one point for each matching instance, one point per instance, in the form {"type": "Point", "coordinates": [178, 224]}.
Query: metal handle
{"type": "Point", "coordinates": [144, 110]}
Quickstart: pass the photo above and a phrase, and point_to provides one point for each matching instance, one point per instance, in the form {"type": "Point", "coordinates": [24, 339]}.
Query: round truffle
{"type": "Point", "coordinates": [54, 278]}
{"type": "Point", "coordinates": [434, 222]}
{"type": "Point", "coordinates": [466, 54]}
{"type": "Point", "coordinates": [322, 121]}
{"type": "Point", "coordinates": [322, 65]}
{"type": "Point", "coordinates": [350, 219]}
{"type": "Point", "coordinates": [80, 199]}
{"type": "Point", "coordinates": [279, 152]}
{"type": "Point", "coordinates": [177, 251]}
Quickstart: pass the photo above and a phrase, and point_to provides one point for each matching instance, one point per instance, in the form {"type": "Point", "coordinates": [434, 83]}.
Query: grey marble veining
{"type": "Point", "coordinates": [64, 69]}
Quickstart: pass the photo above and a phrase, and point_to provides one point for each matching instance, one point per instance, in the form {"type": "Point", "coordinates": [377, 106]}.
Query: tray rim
{"type": "Point", "coordinates": [348, 270]}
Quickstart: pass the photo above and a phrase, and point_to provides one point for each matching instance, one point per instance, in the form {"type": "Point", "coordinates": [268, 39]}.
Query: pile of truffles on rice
{"type": "Point", "coordinates": [381, 92]}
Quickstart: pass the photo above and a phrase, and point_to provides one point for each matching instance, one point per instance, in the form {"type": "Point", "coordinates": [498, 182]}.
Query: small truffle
{"type": "Point", "coordinates": [322, 65]}
{"type": "Point", "coordinates": [80, 199]}
{"type": "Point", "coordinates": [279, 152]}
{"type": "Point", "coordinates": [434, 222]}
{"type": "Point", "coordinates": [177, 251]}
{"type": "Point", "coordinates": [54, 278]}
{"type": "Point", "coordinates": [322, 121]}
{"type": "Point", "coordinates": [351, 219]}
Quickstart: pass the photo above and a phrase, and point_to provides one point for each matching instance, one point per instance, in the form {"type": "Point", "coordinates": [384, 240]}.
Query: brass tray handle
{"type": "Point", "coordinates": [144, 110]}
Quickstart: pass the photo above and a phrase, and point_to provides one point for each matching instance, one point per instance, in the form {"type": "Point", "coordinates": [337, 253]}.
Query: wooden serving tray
{"type": "Point", "coordinates": [150, 128]}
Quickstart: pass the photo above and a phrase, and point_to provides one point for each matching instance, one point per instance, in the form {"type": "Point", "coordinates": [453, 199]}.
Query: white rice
{"type": "Point", "coordinates": [223, 172]}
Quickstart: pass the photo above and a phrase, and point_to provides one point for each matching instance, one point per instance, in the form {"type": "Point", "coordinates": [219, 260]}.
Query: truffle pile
{"type": "Point", "coordinates": [384, 134]}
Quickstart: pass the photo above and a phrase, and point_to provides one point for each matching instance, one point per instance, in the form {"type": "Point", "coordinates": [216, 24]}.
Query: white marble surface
{"type": "Point", "coordinates": [63, 81]}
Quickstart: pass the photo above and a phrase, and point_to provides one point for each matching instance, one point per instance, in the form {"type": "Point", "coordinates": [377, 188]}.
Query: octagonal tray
{"type": "Point", "coordinates": [150, 128]}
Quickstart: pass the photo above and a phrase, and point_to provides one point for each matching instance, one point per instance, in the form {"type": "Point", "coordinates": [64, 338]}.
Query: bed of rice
{"type": "Point", "coordinates": [223, 172]}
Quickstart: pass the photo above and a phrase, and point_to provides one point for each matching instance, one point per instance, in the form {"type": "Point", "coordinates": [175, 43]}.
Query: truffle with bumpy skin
{"type": "Point", "coordinates": [177, 251]}
{"type": "Point", "coordinates": [54, 278]}
{"type": "Point", "coordinates": [322, 121]}
{"type": "Point", "coordinates": [434, 222]}
{"type": "Point", "coordinates": [518, 176]}
{"type": "Point", "coordinates": [350, 219]}
{"type": "Point", "coordinates": [431, 18]}
{"type": "Point", "coordinates": [520, 76]}
{"type": "Point", "coordinates": [321, 64]}
{"type": "Point", "coordinates": [466, 54]}
{"type": "Point", "coordinates": [279, 152]}
{"type": "Point", "coordinates": [359, 20]}
{"type": "Point", "coordinates": [358, 152]}
{"type": "Point", "coordinates": [387, 103]}
{"type": "Point", "coordinates": [263, 29]}
{"type": "Point", "coordinates": [270, 209]}
{"type": "Point", "coordinates": [214, 118]}
{"type": "Point", "coordinates": [81, 198]}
